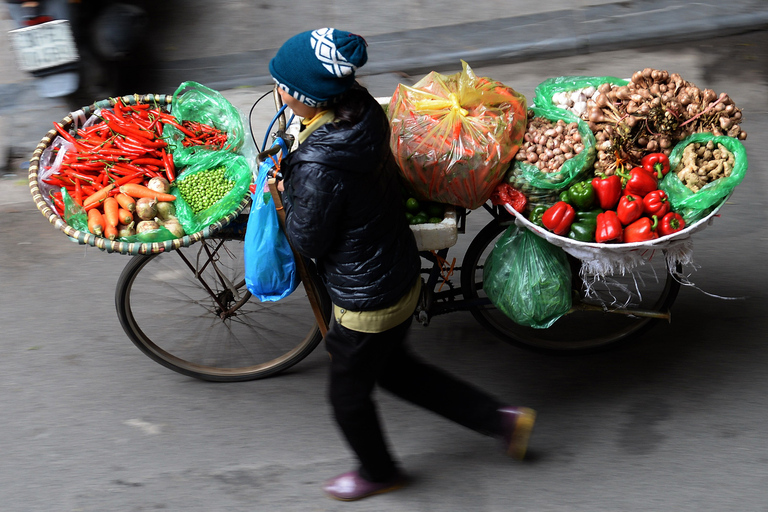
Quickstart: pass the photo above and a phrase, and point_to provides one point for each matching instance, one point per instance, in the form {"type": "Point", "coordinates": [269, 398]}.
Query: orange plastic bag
{"type": "Point", "coordinates": [454, 136]}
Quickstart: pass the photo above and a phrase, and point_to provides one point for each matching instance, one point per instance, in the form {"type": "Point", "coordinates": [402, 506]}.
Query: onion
{"type": "Point", "coordinates": [146, 225]}
{"type": "Point", "coordinates": [159, 184]}
{"type": "Point", "coordinates": [174, 226]}
{"type": "Point", "coordinates": [146, 208]}
{"type": "Point", "coordinates": [124, 231]}
{"type": "Point", "coordinates": [165, 210]}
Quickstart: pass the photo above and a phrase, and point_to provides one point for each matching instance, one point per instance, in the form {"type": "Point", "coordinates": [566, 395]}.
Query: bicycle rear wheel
{"type": "Point", "coordinates": [650, 288]}
{"type": "Point", "coordinates": [190, 311]}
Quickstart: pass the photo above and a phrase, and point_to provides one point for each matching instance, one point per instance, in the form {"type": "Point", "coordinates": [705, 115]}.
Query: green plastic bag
{"type": "Point", "coordinates": [528, 278]}
{"type": "Point", "coordinates": [195, 102]}
{"type": "Point", "coordinates": [237, 171]}
{"type": "Point", "coordinates": [542, 95]}
{"type": "Point", "coordinates": [571, 169]}
{"type": "Point", "coordinates": [697, 204]}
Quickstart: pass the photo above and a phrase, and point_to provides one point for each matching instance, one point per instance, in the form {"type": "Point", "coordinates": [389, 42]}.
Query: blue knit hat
{"type": "Point", "coordinates": [315, 67]}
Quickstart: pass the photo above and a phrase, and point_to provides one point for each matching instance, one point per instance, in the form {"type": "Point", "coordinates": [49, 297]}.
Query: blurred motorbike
{"type": "Point", "coordinates": [78, 47]}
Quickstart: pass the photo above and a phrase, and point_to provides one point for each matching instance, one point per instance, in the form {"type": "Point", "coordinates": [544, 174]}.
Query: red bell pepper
{"type": "Point", "coordinates": [656, 203]}
{"type": "Point", "coordinates": [639, 182]}
{"type": "Point", "coordinates": [505, 193]}
{"type": "Point", "coordinates": [607, 190]}
{"type": "Point", "coordinates": [641, 230]}
{"type": "Point", "coordinates": [671, 223]}
{"type": "Point", "coordinates": [608, 228]}
{"type": "Point", "coordinates": [559, 217]}
{"type": "Point", "coordinates": [630, 209]}
{"type": "Point", "coordinates": [656, 164]}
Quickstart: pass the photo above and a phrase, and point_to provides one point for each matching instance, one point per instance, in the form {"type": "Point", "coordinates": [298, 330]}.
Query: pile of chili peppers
{"type": "Point", "coordinates": [201, 134]}
{"type": "Point", "coordinates": [626, 207]}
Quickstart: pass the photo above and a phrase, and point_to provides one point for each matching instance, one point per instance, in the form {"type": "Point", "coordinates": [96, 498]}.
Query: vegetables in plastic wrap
{"type": "Point", "coordinates": [237, 171]}
{"type": "Point", "coordinates": [454, 136]}
{"type": "Point", "coordinates": [195, 102]}
{"type": "Point", "coordinates": [528, 278]}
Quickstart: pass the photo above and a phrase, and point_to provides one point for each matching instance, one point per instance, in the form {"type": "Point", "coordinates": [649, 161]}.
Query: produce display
{"type": "Point", "coordinates": [116, 177]}
{"type": "Point", "coordinates": [668, 153]}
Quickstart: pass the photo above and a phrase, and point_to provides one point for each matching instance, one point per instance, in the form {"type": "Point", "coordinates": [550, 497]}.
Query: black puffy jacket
{"type": "Point", "coordinates": [344, 208]}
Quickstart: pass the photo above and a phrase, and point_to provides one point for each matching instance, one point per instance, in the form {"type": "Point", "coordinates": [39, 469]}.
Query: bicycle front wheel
{"type": "Point", "coordinates": [190, 311]}
{"type": "Point", "coordinates": [649, 289]}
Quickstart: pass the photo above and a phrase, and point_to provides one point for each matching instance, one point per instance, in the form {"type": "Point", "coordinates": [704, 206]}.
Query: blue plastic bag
{"type": "Point", "coordinates": [270, 269]}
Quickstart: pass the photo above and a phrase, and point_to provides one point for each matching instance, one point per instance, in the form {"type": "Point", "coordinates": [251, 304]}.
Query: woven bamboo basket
{"type": "Point", "coordinates": [87, 238]}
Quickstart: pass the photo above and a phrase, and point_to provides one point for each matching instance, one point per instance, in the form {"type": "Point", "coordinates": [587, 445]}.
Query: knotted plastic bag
{"type": "Point", "coordinates": [454, 136]}
{"type": "Point", "coordinates": [270, 267]}
{"type": "Point", "coordinates": [195, 102]}
{"type": "Point", "coordinates": [528, 279]}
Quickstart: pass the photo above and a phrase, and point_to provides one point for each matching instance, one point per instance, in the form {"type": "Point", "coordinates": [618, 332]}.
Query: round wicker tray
{"type": "Point", "coordinates": [87, 238]}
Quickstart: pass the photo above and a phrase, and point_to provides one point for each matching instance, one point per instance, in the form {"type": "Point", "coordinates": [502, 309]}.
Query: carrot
{"type": "Point", "coordinates": [111, 211]}
{"type": "Point", "coordinates": [124, 216]}
{"type": "Point", "coordinates": [98, 196]}
{"type": "Point", "coordinates": [137, 191]}
{"type": "Point", "coordinates": [126, 202]}
{"type": "Point", "coordinates": [110, 231]}
{"type": "Point", "coordinates": [95, 222]}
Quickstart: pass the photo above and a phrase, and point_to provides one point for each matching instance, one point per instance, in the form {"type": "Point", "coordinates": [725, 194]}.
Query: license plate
{"type": "Point", "coordinates": [44, 46]}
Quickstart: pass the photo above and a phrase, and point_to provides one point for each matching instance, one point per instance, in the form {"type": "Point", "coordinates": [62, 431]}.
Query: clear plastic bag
{"type": "Point", "coordinates": [454, 136]}
{"type": "Point", "coordinates": [528, 278]}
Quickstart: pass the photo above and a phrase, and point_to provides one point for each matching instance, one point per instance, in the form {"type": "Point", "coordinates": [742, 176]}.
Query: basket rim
{"type": "Point", "coordinates": [105, 244]}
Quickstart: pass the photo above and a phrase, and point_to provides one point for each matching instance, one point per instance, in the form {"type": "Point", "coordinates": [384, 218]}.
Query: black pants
{"type": "Point", "coordinates": [361, 360]}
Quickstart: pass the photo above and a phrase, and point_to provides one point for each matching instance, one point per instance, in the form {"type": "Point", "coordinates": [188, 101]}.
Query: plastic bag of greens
{"type": "Point", "coordinates": [683, 163]}
{"type": "Point", "coordinates": [197, 103]}
{"type": "Point", "coordinates": [210, 188]}
{"type": "Point", "coordinates": [571, 169]}
{"type": "Point", "coordinates": [270, 267]}
{"type": "Point", "coordinates": [528, 278]}
{"type": "Point", "coordinates": [569, 92]}
{"type": "Point", "coordinates": [454, 136]}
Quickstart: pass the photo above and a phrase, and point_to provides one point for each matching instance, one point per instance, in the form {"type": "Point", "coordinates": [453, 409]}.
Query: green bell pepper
{"type": "Point", "coordinates": [588, 216]}
{"type": "Point", "coordinates": [565, 197]}
{"type": "Point", "coordinates": [583, 231]}
{"type": "Point", "coordinates": [582, 195]}
{"type": "Point", "coordinates": [536, 214]}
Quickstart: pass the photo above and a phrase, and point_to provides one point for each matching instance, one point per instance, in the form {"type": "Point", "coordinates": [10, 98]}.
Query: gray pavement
{"type": "Point", "coordinates": [672, 423]}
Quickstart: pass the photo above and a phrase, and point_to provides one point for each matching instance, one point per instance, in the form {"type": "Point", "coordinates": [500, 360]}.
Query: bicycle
{"type": "Point", "coordinates": [189, 309]}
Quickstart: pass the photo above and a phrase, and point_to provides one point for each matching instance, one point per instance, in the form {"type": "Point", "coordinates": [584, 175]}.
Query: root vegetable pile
{"type": "Point", "coordinates": [653, 112]}
{"type": "Point", "coordinates": [548, 144]}
{"type": "Point", "coordinates": [704, 163]}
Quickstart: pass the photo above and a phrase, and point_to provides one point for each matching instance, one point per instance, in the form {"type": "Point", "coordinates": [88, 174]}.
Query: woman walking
{"type": "Point", "coordinates": [344, 208]}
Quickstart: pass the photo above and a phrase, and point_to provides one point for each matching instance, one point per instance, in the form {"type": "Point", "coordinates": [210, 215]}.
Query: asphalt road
{"type": "Point", "coordinates": [674, 422]}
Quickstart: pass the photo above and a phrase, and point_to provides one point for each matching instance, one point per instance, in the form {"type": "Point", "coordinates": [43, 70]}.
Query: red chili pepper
{"type": "Point", "coordinates": [559, 217]}
{"type": "Point", "coordinates": [608, 227]}
{"type": "Point", "coordinates": [639, 182]}
{"type": "Point", "coordinates": [656, 203]}
{"type": "Point", "coordinates": [656, 164]}
{"type": "Point", "coordinates": [671, 223]}
{"type": "Point", "coordinates": [642, 230]}
{"type": "Point", "coordinates": [608, 191]}
{"type": "Point", "coordinates": [630, 209]}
